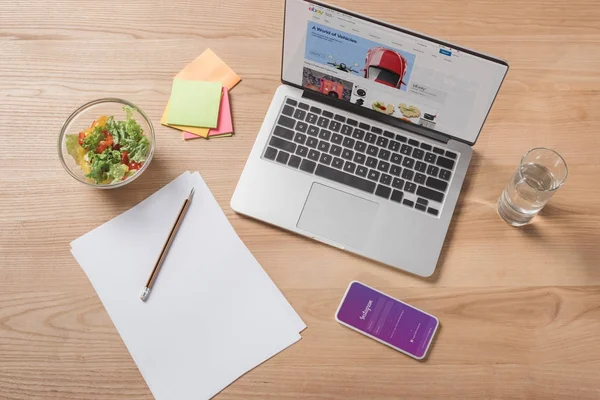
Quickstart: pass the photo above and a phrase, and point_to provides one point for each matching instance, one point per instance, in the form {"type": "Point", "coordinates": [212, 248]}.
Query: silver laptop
{"type": "Point", "coordinates": [367, 142]}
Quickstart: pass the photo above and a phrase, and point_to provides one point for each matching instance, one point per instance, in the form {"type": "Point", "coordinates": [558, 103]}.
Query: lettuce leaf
{"type": "Point", "coordinates": [100, 165]}
{"type": "Point", "coordinates": [91, 141]}
{"type": "Point", "coordinates": [73, 147]}
{"type": "Point", "coordinates": [116, 172]}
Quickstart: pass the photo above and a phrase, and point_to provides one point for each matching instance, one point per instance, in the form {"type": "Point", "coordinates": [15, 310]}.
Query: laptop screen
{"type": "Point", "coordinates": [389, 70]}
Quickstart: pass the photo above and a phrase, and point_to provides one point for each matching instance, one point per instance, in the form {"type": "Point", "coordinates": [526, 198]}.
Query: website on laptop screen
{"type": "Point", "coordinates": [392, 72]}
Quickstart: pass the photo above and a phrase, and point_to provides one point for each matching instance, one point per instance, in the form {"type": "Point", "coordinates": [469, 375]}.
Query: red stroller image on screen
{"type": "Point", "coordinates": [385, 66]}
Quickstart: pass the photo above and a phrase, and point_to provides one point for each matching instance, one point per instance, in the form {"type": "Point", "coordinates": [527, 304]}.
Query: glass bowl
{"type": "Point", "coordinates": [83, 117]}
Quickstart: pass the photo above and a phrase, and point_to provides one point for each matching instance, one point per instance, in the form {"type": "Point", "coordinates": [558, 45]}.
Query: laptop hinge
{"type": "Point", "coordinates": [385, 119]}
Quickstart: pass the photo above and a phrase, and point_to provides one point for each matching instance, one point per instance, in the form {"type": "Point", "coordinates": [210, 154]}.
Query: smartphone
{"type": "Point", "coordinates": [387, 320]}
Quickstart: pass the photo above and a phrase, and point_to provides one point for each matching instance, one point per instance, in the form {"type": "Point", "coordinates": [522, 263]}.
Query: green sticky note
{"type": "Point", "coordinates": [195, 103]}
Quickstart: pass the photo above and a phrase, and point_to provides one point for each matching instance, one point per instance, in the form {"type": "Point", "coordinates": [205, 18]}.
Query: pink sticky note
{"type": "Point", "coordinates": [224, 123]}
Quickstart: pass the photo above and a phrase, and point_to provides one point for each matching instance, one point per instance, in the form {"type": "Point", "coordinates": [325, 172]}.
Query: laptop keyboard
{"type": "Point", "coordinates": [411, 172]}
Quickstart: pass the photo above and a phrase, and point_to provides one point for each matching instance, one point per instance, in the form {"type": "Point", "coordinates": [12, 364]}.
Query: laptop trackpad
{"type": "Point", "coordinates": [338, 216]}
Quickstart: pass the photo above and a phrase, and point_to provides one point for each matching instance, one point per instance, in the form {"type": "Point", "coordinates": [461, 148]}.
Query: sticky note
{"type": "Point", "coordinates": [201, 132]}
{"type": "Point", "coordinates": [191, 136]}
{"type": "Point", "coordinates": [194, 103]}
{"type": "Point", "coordinates": [224, 124]}
{"type": "Point", "coordinates": [209, 67]}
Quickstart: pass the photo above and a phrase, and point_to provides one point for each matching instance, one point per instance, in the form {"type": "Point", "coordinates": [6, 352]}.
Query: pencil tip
{"type": "Point", "coordinates": [192, 192]}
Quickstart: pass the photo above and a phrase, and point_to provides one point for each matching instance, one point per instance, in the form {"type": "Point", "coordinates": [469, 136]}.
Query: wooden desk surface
{"type": "Point", "coordinates": [519, 308]}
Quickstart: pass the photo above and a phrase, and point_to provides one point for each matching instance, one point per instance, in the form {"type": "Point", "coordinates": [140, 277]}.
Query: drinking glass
{"type": "Point", "coordinates": [539, 175]}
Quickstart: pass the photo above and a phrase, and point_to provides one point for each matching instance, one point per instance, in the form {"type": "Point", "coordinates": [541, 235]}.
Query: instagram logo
{"type": "Point", "coordinates": [313, 9]}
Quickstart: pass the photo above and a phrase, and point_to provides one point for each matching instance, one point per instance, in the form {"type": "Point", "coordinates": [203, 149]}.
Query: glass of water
{"type": "Point", "coordinates": [538, 176]}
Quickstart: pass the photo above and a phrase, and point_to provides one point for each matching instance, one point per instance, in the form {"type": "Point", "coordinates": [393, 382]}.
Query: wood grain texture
{"type": "Point", "coordinates": [520, 308]}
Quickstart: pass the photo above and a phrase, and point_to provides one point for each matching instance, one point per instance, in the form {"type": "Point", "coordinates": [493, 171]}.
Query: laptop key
{"type": "Point", "coordinates": [288, 110]}
{"type": "Point", "coordinates": [347, 154]}
{"type": "Point", "coordinates": [336, 138]}
{"type": "Point", "coordinates": [445, 174]}
{"type": "Point", "coordinates": [352, 122]}
{"type": "Point", "coordinates": [294, 161]}
{"type": "Point", "coordinates": [359, 158]}
{"type": "Point", "coordinates": [430, 194]}
{"type": "Point", "coordinates": [362, 125]}
{"type": "Point", "coordinates": [421, 166]}
{"type": "Point", "coordinates": [282, 157]}
{"type": "Point", "coordinates": [445, 162]}
{"type": "Point", "coordinates": [270, 153]}
{"type": "Point", "coordinates": [422, 201]}
{"type": "Point", "coordinates": [349, 166]}
{"type": "Point", "coordinates": [397, 196]}
{"type": "Point", "coordinates": [362, 171]}
{"type": "Point", "coordinates": [408, 174]}
{"type": "Point", "coordinates": [450, 154]}
{"type": "Point", "coordinates": [436, 184]}
{"type": "Point", "coordinates": [433, 170]}
{"type": "Point", "coordinates": [314, 155]}
{"type": "Point", "coordinates": [401, 138]}
{"type": "Point", "coordinates": [389, 134]}
{"type": "Point", "coordinates": [345, 178]}
{"type": "Point", "coordinates": [301, 126]}
{"type": "Point", "coordinates": [335, 126]}
{"type": "Point", "coordinates": [325, 158]}
{"type": "Point", "coordinates": [324, 134]}
{"type": "Point", "coordinates": [430, 157]}
{"type": "Point", "coordinates": [327, 114]}
{"type": "Point", "coordinates": [438, 150]}
{"type": "Point", "coordinates": [300, 138]}
{"type": "Point", "coordinates": [308, 166]}
{"type": "Point", "coordinates": [383, 166]}
{"type": "Point", "coordinates": [398, 183]}
{"type": "Point", "coordinates": [396, 158]}
{"type": "Point", "coordinates": [382, 141]}
{"type": "Point", "coordinates": [420, 207]}
{"type": "Point", "coordinates": [312, 130]}
{"type": "Point", "coordinates": [383, 191]}
{"type": "Point", "coordinates": [300, 114]}
{"type": "Point", "coordinates": [323, 146]}
{"type": "Point", "coordinates": [358, 134]}
{"type": "Point", "coordinates": [360, 146]}
{"type": "Point", "coordinates": [323, 122]}
{"type": "Point", "coordinates": [408, 162]}
{"type": "Point", "coordinates": [348, 142]}
{"type": "Point", "coordinates": [420, 178]}
{"type": "Point", "coordinates": [370, 138]}
{"type": "Point", "coordinates": [372, 150]}
{"type": "Point", "coordinates": [377, 130]}
{"type": "Point", "coordinates": [371, 162]}
{"type": "Point", "coordinates": [426, 146]}
{"type": "Point", "coordinates": [302, 151]}
{"type": "Point", "coordinates": [408, 202]}
{"type": "Point", "coordinates": [312, 118]}
{"type": "Point", "coordinates": [337, 163]}
{"type": "Point", "coordinates": [312, 142]}
{"type": "Point", "coordinates": [384, 154]}
{"type": "Point", "coordinates": [291, 101]}
{"type": "Point", "coordinates": [315, 110]}
{"type": "Point", "coordinates": [335, 150]}
{"type": "Point", "coordinates": [406, 150]}
{"type": "Point", "coordinates": [418, 154]}
{"type": "Point", "coordinates": [432, 211]}
{"type": "Point", "coordinates": [346, 130]}
{"type": "Point", "coordinates": [385, 179]}
{"type": "Point", "coordinates": [303, 106]}
{"type": "Point", "coordinates": [410, 187]}
{"type": "Point", "coordinates": [339, 117]}
{"type": "Point", "coordinates": [394, 146]}
{"type": "Point", "coordinates": [373, 175]}
{"type": "Point", "coordinates": [413, 142]}
{"type": "Point", "coordinates": [395, 170]}
{"type": "Point", "coordinates": [282, 144]}
{"type": "Point", "coordinates": [283, 132]}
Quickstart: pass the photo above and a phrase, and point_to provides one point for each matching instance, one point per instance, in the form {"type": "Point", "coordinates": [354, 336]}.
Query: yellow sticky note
{"type": "Point", "coordinates": [207, 67]}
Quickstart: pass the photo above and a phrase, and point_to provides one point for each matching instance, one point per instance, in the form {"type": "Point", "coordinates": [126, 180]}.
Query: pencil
{"type": "Point", "coordinates": [163, 253]}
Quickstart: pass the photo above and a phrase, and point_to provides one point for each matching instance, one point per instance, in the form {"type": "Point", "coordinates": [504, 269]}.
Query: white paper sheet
{"type": "Point", "coordinates": [213, 313]}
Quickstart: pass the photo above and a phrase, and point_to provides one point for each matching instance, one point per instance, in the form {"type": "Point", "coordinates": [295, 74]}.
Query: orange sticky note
{"type": "Point", "coordinates": [207, 67]}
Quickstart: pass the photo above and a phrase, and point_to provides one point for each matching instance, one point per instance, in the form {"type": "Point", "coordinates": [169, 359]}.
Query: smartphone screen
{"type": "Point", "coordinates": [387, 320]}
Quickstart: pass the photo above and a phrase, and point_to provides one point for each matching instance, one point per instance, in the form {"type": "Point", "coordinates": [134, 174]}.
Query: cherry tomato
{"type": "Point", "coordinates": [124, 157]}
{"type": "Point", "coordinates": [117, 147]}
{"type": "Point", "coordinates": [135, 165]}
{"type": "Point", "coordinates": [81, 137]}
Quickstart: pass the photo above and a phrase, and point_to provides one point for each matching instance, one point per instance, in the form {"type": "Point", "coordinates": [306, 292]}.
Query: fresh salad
{"type": "Point", "coordinates": [110, 151]}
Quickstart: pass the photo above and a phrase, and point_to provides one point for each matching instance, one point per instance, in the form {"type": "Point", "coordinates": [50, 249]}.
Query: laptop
{"type": "Point", "coordinates": [367, 142]}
